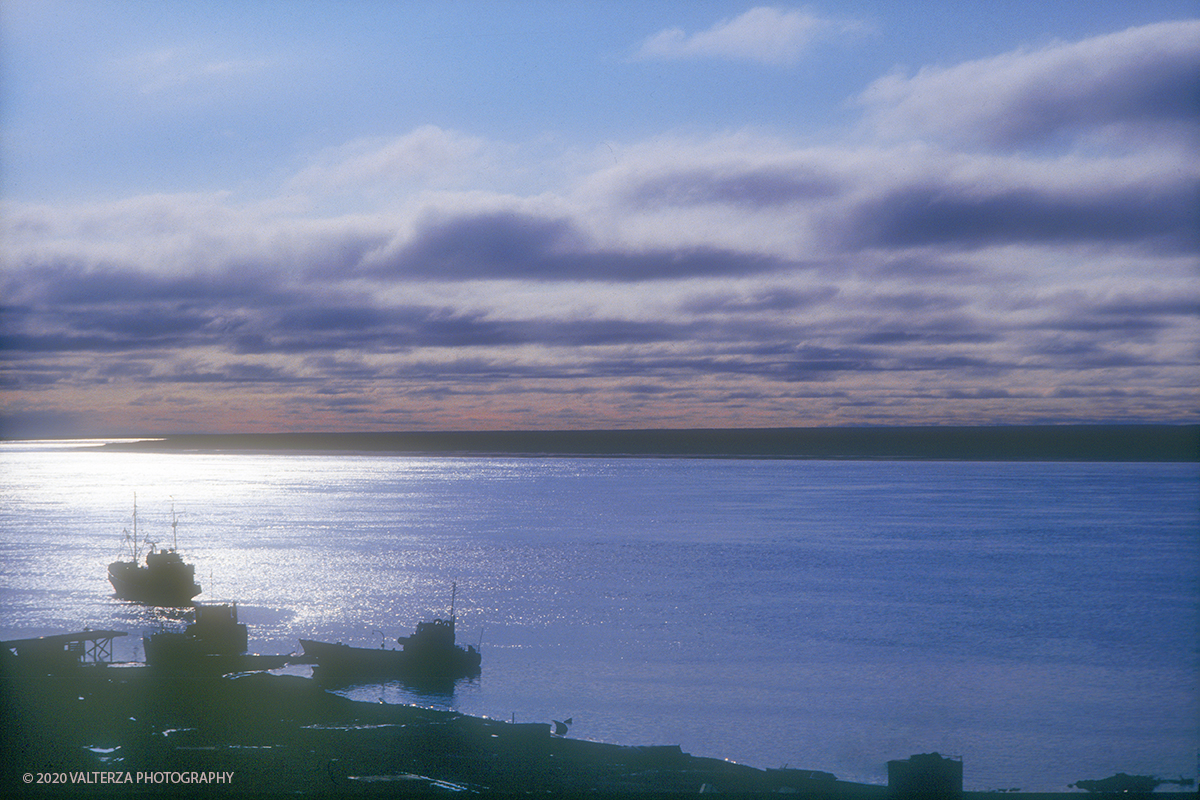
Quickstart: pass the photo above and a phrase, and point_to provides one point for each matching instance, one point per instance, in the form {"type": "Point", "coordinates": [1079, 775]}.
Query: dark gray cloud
{"type": "Point", "coordinates": [77, 284]}
{"type": "Point", "coordinates": [1152, 86]}
{"type": "Point", "coordinates": [145, 325]}
{"type": "Point", "coordinates": [1090, 324]}
{"type": "Point", "coordinates": [1089, 353]}
{"type": "Point", "coordinates": [410, 327]}
{"type": "Point", "coordinates": [315, 327]}
{"type": "Point", "coordinates": [310, 322]}
{"type": "Point", "coordinates": [1160, 217]}
{"type": "Point", "coordinates": [1139, 80]}
{"type": "Point", "coordinates": [1131, 327]}
{"type": "Point", "coordinates": [509, 245]}
{"type": "Point", "coordinates": [59, 320]}
{"type": "Point", "coordinates": [925, 335]}
{"type": "Point", "coordinates": [12, 345]}
{"type": "Point", "coordinates": [1182, 305]}
{"type": "Point", "coordinates": [240, 372]}
{"type": "Point", "coordinates": [754, 333]}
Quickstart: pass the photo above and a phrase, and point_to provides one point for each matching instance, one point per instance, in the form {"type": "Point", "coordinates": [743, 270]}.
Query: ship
{"type": "Point", "coordinates": [214, 644]}
{"type": "Point", "coordinates": [429, 653]}
{"type": "Point", "coordinates": [216, 631]}
{"type": "Point", "coordinates": [164, 580]}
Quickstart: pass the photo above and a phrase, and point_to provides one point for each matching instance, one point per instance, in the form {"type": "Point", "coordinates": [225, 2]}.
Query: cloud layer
{"type": "Point", "coordinates": [1142, 79]}
{"type": "Point", "coordinates": [949, 267]}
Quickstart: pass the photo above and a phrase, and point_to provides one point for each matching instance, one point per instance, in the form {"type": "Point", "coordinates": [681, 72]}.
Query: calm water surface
{"type": "Point", "coordinates": [1040, 620]}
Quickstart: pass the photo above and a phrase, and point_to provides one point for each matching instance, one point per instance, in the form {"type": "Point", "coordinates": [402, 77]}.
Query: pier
{"type": "Point", "coordinates": [59, 651]}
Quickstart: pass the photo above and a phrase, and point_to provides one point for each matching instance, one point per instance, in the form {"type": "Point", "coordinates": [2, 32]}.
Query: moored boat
{"type": "Point", "coordinates": [215, 643]}
{"type": "Point", "coordinates": [164, 580]}
{"type": "Point", "coordinates": [430, 652]}
{"type": "Point", "coordinates": [216, 631]}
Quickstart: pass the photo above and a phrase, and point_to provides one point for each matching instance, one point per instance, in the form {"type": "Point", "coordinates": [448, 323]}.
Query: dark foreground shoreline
{"type": "Point", "coordinates": [113, 730]}
{"type": "Point", "coordinates": [1129, 443]}
{"type": "Point", "coordinates": [285, 735]}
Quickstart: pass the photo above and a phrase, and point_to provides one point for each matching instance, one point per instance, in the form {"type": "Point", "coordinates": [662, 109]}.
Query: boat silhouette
{"type": "Point", "coordinates": [164, 580]}
{"type": "Point", "coordinates": [214, 644]}
{"type": "Point", "coordinates": [429, 653]}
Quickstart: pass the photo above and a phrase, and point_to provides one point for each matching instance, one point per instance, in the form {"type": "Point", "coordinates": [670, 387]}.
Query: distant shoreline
{"type": "Point", "coordinates": [1123, 443]}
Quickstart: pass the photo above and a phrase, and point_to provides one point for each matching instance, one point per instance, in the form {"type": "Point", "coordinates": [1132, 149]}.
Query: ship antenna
{"type": "Point", "coordinates": [135, 539]}
{"type": "Point", "coordinates": [453, 590]}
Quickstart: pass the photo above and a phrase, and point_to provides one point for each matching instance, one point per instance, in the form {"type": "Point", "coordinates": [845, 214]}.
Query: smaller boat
{"type": "Point", "coordinates": [216, 631]}
{"type": "Point", "coordinates": [429, 653]}
{"type": "Point", "coordinates": [165, 580]}
{"type": "Point", "coordinates": [215, 643]}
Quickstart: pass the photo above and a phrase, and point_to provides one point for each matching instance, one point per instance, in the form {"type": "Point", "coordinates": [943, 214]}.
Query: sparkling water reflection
{"type": "Point", "coordinates": [1038, 619]}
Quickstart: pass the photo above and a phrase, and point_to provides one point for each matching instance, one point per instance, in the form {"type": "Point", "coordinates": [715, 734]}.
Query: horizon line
{"type": "Point", "coordinates": [1146, 442]}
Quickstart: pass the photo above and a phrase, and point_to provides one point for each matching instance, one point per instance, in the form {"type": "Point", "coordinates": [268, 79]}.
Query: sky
{"type": "Point", "coordinates": [238, 216]}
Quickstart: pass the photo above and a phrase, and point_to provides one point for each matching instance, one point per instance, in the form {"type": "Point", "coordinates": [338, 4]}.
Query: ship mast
{"type": "Point", "coordinates": [174, 523]}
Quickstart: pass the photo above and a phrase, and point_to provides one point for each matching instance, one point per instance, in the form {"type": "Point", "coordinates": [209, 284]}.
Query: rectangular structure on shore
{"type": "Point", "coordinates": [927, 776]}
